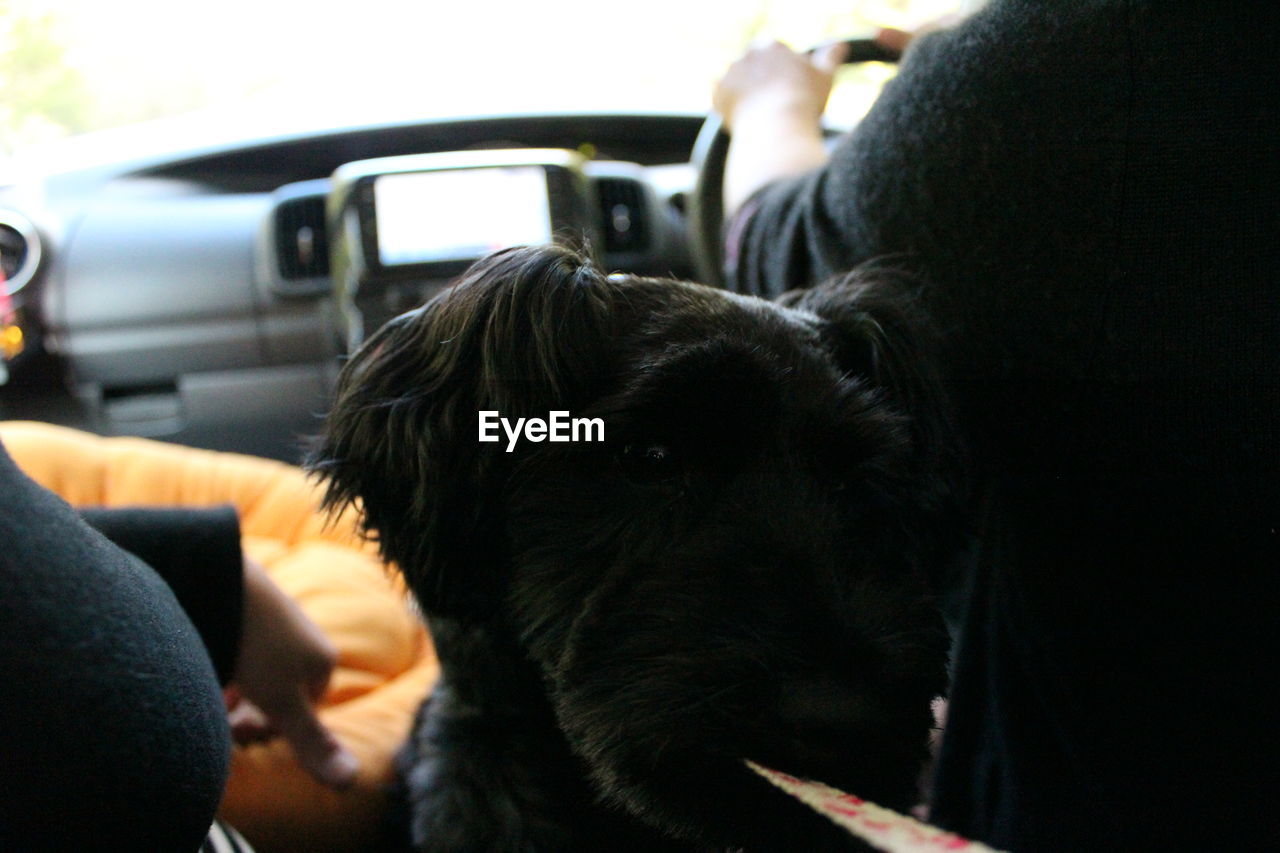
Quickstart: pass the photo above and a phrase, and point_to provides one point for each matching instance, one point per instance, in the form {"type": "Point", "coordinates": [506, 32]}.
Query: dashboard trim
{"type": "Point", "coordinates": [34, 252]}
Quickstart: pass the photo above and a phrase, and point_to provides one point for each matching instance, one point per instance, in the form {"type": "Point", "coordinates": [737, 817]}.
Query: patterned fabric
{"type": "Point", "coordinates": [882, 828]}
{"type": "Point", "coordinates": [223, 839]}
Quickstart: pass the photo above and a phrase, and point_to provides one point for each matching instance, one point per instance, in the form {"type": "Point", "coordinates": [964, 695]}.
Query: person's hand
{"type": "Point", "coordinates": [899, 40]}
{"type": "Point", "coordinates": [772, 100]}
{"type": "Point", "coordinates": [895, 39]}
{"type": "Point", "coordinates": [282, 671]}
{"type": "Point", "coordinates": [777, 81]}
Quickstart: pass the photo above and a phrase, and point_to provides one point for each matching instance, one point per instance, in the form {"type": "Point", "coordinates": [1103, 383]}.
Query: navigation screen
{"type": "Point", "coordinates": [459, 214]}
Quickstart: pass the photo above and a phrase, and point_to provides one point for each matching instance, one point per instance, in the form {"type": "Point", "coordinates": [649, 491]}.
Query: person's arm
{"type": "Point", "coordinates": [921, 177]}
{"type": "Point", "coordinates": [197, 553]}
{"type": "Point", "coordinates": [112, 724]}
{"type": "Point", "coordinates": [275, 659]}
{"type": "Point", "coordinates": [771, 101]}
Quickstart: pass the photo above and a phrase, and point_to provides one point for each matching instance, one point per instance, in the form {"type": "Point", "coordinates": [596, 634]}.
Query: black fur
{"type": "Point", "coordinates": [740, 570]}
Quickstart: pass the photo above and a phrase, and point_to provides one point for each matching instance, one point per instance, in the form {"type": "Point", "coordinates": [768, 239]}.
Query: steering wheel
{"type": "Point", "coordinates": [706, 207]}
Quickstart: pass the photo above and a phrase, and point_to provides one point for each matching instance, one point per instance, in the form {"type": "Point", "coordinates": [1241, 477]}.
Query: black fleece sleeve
{"type": "Point", "coordinates": [993, 138]}
{"type": "Point", "coordinates": [111, 723]}
{"type": "Point", "coordinates": [197, 552]}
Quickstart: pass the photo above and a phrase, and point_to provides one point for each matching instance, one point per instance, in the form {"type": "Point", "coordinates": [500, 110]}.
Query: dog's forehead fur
{"type": "Point", "coordinates": [693, 320]}
{"type": "Point", "coordinates": [698, 308]}
{"type": "Point", "coordinates": [737, 354]}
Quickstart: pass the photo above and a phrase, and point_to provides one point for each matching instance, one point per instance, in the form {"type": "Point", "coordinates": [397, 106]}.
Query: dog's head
{"type": "Point", "coordinates": [740, 569]}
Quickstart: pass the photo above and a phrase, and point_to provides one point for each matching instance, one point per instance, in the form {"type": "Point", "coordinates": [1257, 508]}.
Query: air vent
{"type": "Point", "coordinates": [19, 251]}
{"type": "Point", "coordinates": [624, 215]}
{"type": "Point", "coordinates": [302, 244]}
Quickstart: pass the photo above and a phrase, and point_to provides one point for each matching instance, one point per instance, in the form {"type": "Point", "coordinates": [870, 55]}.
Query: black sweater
{"type": "Point", "coordinates": [112, 725]}
{"type": "Point", "coordinates": [1090, 190]}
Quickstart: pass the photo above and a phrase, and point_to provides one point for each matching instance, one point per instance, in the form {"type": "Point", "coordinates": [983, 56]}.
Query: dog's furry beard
{"type": "Point", "coordinates": [741, 569]}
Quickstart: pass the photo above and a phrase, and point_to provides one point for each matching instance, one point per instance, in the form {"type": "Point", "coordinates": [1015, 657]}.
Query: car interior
{"type": "Point", "coordinates": [191, 298]}
{"type": "Point", "coordinates": [203, 218]}
{"type": "Point", "coordinates": [205, 294]}
{"type": "Point", "coordinates": [186, 291]}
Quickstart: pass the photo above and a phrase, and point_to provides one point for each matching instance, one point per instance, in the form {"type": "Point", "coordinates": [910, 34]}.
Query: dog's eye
{"type": "Point", "coordinates": [649, 463]}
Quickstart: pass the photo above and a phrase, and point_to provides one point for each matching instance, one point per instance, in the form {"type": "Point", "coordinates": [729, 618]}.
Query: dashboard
{"type": "Point", "coordinates": [190, 297]}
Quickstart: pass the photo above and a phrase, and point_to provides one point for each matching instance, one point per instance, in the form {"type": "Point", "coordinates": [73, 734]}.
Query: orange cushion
{"type": "Point", "coordinates": [386, 664]}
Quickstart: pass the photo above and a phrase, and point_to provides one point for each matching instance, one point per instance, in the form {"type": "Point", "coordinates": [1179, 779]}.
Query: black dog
{"type": "Point", "coordinates": [740, 569]}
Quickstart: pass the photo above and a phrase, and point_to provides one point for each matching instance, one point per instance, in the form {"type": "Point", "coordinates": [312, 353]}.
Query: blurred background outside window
{"type": "Point", "coordinates": [117, 74]}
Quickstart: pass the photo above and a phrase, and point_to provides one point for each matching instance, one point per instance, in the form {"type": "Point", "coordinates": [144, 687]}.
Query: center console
{"type": "Point", "coordinates": [401, 227]}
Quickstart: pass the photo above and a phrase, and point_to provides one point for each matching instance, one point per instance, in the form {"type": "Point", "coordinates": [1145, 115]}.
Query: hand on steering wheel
{"type": "Point", "coordinates": [777, 80]}
{"type": "Point", "coordinates": [801, 86]}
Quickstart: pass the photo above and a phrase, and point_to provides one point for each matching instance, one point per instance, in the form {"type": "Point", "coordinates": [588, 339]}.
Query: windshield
{"type": "Point", "coordinates": [250, 68]}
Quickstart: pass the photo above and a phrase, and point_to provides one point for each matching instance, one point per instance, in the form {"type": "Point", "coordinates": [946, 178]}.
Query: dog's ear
{"type": "Point", "coordinates": [525, 331]}
{"type": "Point", "coordinates": [877, 331]}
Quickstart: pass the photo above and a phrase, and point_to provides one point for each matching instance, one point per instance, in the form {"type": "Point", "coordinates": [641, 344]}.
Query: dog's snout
{"type": "Point", "coordinates": [819, 703]}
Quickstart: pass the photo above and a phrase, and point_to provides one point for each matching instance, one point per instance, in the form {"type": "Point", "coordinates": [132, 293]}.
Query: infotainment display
{"type": "Point", "coordinates": [402, 227]}
{"type": "Point", "coordinates": [459, 214]}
